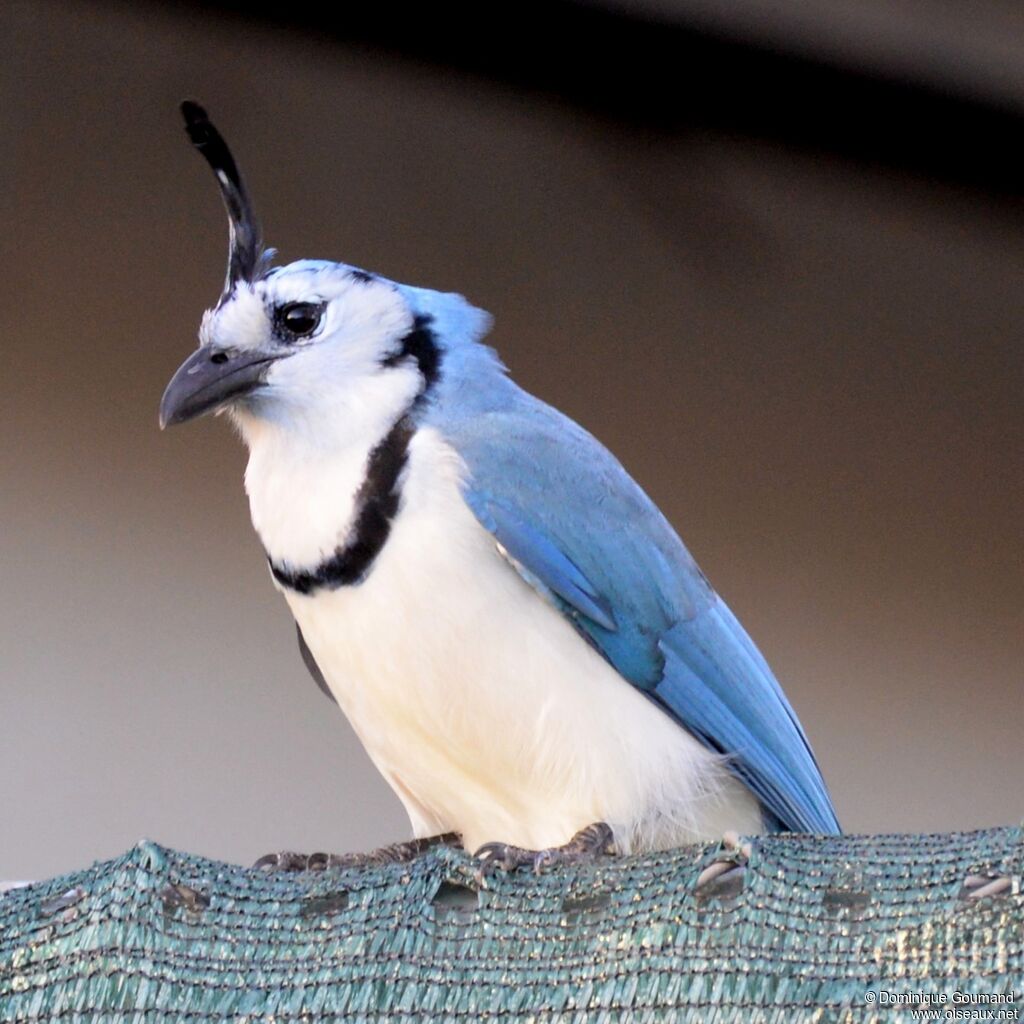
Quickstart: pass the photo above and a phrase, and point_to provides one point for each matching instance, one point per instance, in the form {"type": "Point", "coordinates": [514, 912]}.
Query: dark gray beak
{"type": "Point", "coordinates": [208, 380]}
{"type": "Point", "coordinates": [211, 378]}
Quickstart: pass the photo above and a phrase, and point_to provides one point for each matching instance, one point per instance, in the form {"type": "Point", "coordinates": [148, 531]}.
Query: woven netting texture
{"type": "Point", "coordinates": [814, 928]}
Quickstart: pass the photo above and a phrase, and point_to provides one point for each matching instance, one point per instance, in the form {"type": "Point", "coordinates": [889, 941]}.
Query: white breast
{"type": "Point", "coordinates": [482, 706]}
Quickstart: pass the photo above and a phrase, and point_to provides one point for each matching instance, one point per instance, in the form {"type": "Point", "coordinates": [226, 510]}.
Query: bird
{"type": "Point", "coordinates": [524, 646]}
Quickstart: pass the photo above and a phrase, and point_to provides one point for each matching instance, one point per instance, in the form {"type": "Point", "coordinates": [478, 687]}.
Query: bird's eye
{"type": "Point", "coordinates": [298, 319]}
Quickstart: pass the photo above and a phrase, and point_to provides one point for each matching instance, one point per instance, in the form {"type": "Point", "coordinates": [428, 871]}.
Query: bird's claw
{"type": "Point", "coordinates": [589, 844]}
{"type": "Point", "coordinates": [285, 860]}
{"type": "Point", "coordinates": [396, 853]}
{"type": "Point", "coordinates": [501, 857]}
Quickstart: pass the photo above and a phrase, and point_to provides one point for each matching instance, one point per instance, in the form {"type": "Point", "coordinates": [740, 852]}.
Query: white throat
{"type": "Point", "coordinates": [304, 475]}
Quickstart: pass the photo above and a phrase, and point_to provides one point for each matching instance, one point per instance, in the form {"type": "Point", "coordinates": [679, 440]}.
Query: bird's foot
{"type": "Point", "coordinates": [589, 844]}
{"type": "Point", "coordinates": [395, 853]}
{"type": "Point", "coordinates": [724, 875]}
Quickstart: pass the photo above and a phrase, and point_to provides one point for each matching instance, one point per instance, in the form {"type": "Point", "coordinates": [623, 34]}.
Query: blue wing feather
{"type": "Point", "coordinates": [721, 688]}
{"type": "Point", "coordinates": [579, 529]}
{"type": "Point", "coordinates": [538, 559]}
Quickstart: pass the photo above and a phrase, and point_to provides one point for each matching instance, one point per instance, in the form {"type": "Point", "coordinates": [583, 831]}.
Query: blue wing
{"type": "Point", "coordinates": [583, 533]}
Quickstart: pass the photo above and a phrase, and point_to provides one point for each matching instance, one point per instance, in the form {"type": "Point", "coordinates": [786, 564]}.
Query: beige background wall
{"type": "Point", "coordinates": [814, 368]}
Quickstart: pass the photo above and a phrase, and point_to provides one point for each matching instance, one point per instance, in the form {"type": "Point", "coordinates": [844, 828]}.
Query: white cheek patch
{"type": "Point", "coordinates": [362, 318]}
{"type": "Point", "coordinates": [370, 317]}
{"type": "Point", "coordinates": [337, 384]}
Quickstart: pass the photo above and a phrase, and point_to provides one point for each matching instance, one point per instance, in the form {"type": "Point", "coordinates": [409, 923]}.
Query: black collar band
{"type": "Point", "coordinates": [376, 506]}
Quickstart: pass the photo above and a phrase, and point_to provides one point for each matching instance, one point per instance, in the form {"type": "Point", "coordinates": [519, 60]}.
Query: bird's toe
{"type": "Point", "coordinates": [589, 844]}
{"type": "Point", "coordinates": [288, 860]}
{"type": "Point", "coordinates": [502, 857]}
{"type": "Point", "coordinates": [395, 853]}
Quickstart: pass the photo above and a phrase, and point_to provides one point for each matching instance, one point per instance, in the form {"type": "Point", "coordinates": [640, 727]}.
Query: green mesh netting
{"type": "Point", "coordinates": [830, 929]}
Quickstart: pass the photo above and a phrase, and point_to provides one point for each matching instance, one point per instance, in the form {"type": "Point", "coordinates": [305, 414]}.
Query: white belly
{"type": "Point", "coordinates": [482, 706]}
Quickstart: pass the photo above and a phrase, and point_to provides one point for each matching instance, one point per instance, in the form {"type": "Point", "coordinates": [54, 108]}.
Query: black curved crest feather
{"type": "Point", "coordinates": [247, 258]}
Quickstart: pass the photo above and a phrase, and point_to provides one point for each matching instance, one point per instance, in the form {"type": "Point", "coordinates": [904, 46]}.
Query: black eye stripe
{"type": "Point", "coordinates": [294, 320]}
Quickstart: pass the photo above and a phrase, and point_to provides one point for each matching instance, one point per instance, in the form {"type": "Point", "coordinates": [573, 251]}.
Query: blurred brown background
{"type": "Point", "coordinates": [807, 351]}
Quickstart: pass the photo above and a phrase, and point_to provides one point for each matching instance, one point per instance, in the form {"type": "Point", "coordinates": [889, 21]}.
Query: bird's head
{"type": "Point", "coordinates": [310, 342]}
